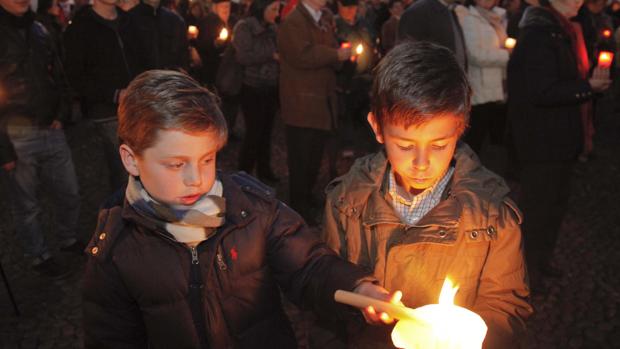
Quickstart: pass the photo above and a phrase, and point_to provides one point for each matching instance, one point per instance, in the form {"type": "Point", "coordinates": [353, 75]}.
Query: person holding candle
{"type": "Point", "coordinates": [190, 257]}
{"type": "Point", "coordinates": [484, 29]}
{"type": "Point", "coordinates": [424, 208]}
{"type": "Point", "coordinates": [255, 45]}
{"type": "Point", "coordinates": [309, 58]}
{"type": "Point", "coordinates": [550, 88]}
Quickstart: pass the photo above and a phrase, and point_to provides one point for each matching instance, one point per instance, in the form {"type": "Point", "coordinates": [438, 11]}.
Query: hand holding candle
{"type": "Point", "coordinates": [344, 52]}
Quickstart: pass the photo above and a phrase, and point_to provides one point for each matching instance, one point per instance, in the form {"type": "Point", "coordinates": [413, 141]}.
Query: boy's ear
{"type": "Point", "coordinates": [372, 120]}
{"type": "Point", "coordinates": [130, 160]}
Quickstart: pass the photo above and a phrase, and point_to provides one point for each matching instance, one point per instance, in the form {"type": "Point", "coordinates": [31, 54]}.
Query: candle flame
{"type": "Point", "coordinates": [607, 33]}
{"type": "Point", "coordinates": [448, 292]}
{"type": "Point", "coordinates": [224, 34]}
{"type": "Point", "coordinates": [359, 49]}
{"type": "Point", "coordinates": [510, 43]}
{"type": "Point", "coordinates": [604, 59]}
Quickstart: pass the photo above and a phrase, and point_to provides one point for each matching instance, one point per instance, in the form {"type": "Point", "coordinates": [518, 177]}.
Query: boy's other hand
{"type": "Point", "coordinates": [371, 290]}
{"type": "Point", "coordinates": [600, 80]}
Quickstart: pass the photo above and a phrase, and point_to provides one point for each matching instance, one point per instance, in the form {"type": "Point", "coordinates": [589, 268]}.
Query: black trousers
{"type": "Point", "coordinates": [305, 152]}
{"type": "Point", "coordinates": [488, 118]}
{"type": "Point", "coordinates": [259, 106]}
{"type": "Point", "coordinates": [545, 190]}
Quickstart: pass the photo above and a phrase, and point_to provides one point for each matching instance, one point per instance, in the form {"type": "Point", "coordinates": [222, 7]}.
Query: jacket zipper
{"type": "Point", "coordinates": [220, 259]}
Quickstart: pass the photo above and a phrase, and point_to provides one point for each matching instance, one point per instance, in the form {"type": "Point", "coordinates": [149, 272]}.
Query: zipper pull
{"type": "Point", "coordinates": [194, 255]}
{"type": "Point", "coordinates": [220, 260]}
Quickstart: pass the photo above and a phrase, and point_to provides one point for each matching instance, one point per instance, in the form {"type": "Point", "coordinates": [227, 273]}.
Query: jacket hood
{"type": "Point", "coordinates": [472, 185]}
{"type": "Point", "coordinates": [538, 16]}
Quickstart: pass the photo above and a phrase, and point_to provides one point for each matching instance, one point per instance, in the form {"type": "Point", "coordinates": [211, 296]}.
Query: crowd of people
{"type": "Point", "coordinates": [432, 81]}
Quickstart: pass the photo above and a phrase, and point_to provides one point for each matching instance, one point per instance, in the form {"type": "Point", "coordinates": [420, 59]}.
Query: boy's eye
{"type": "Point", "coordinates": [208, 160]}
{"type": "Point", "coordinates": [439, 146]}
{"type": "Point", "coordinates": [407, 147]}
{"type": "Point", "coordinates": [175, 165]}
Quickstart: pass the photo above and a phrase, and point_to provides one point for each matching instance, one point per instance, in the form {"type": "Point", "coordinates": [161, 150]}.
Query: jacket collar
{"type": "Point", "coordinates": [361, 191]}
{"type": "Point", "coordinates": [538, 16]}
{"type": "Point", "coordinates": [22, 22]}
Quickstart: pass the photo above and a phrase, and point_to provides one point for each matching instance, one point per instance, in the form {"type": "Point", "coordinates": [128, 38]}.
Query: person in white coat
{"type": "Point", "coordinates": [484, 29]}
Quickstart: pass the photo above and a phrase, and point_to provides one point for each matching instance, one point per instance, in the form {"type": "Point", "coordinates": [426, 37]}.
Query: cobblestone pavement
{"type": "Point", "coordinates": [579, 311]}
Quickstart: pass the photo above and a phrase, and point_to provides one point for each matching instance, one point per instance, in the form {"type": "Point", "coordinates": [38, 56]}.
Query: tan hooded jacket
{"type": "Point", "coordinates": [472, 236]}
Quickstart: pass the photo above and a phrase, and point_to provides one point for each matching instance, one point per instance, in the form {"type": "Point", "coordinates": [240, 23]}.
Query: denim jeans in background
{"type": "Point", "coordinates": [43, 158]}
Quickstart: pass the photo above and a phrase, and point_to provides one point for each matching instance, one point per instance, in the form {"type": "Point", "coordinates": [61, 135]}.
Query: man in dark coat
{"type": "Point", "coordinates": [159, 38]}
{"type": "Point", "coordinates": [33, 148]}
{"type": "Point", "coordinates": [434, 21]}
{"type": "Point", "coordinates": [97, 64]}
{"type": "Point", "coordinates": [548, 87]}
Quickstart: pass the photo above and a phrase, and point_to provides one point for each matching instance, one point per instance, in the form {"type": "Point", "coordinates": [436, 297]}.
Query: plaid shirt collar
{"type": "Point", "coordinates": [411, 208]}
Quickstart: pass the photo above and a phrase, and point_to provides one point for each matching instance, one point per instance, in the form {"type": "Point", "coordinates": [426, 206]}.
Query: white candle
{"type": "Point", "coordinates": [441, 326]}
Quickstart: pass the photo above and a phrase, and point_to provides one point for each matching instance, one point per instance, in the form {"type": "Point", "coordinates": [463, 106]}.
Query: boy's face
{"type": "Point", "coordinates": [419, 155]}
{"type": "Point", "coordinates": [178, 169]}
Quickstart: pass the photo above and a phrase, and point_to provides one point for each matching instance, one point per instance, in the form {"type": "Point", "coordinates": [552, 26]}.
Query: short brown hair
{"type": "Point", "coordinates": [418, 81]}
{"type": "Point", "coordinates": [167, 100]}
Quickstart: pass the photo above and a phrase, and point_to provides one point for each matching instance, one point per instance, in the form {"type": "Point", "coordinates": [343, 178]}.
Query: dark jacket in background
{"type": "Point", "coordinates": [545, 91]}
{"type": "Point", "coordinates": [158, 39]}
{"type": "Point", "coordinates": [97, 60]}
{"type": "Point", "coordinates": [136, 284]}
{"type": "Point", "coordinates": [209, 48]}
{"type": "Point", "coordinates": [429, 20]}
{"type": "Point", "coordinates": [255, 45]}
{"type": "Point", "coordinates": [33, 89]}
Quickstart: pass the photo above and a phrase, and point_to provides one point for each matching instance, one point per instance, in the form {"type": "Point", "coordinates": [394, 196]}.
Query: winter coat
{"type": "Point", "coordinates": [158, 39]}
{"type": "Point", "coordinates": [255, 46]}
{"type": "Point", "coordinates": [428, 20]}
{"type": "Point", "coordinates": [97, 60]}
{"type": "Point", "coordinates": [308, 63]}
{"type": "Point", "coordinates": [137, 291]}
{"type": "Point", "coordinates": [545, 91]}
{"type": "Point", "coordinates": [472, 236]}
{"type": "Point", "coordinates": [486, 57]}
{"type": "Point", "coordinates": [33, 89]}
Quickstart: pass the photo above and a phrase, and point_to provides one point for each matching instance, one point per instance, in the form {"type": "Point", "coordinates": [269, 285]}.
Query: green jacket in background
{"type": "Point", "coordinates": [472, 236]}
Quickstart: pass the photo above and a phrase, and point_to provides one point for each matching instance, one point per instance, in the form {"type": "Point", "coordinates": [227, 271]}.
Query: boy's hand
{"type": "Point", "coordinates": [371, 290]}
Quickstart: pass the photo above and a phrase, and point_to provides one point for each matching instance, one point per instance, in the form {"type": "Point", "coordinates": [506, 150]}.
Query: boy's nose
{"type": "Point", "coordinates": [193, 177]}
{"type": "Point", "coordinates": [421, 161]}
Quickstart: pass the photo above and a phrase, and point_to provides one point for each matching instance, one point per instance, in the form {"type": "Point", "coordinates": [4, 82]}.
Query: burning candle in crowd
{"type": "Point", "coordinates": [359, 49]}
{"type": "Point", "coordinates": [442, 325]}
{"type": "Point", "coordinates": [192, 32]}
{"type": "Point", "coordinates": [604, 59]}
{"type": "Point", "coordinates": [345, 44]}
{"type": "Point", "coordinates": [510, 43]}
{"type": "Point", "coordinates": [223, 34]}
{"type": "Point", "coordinates": [607, 33]}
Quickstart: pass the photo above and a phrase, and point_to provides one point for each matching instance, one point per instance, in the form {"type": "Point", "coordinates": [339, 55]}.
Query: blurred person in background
{"type": "Point", "coordinates": [389, 29]}
{"type": "Point", "coordinates": [309, 58]}
{"type": "Point", "coordinates": [98, 68]}
{"type": "Point", "coordinates": [33, 148]}
{"type": "Point", "coordinates": [484, 26]}
{"type": "Point", "coordinates": [434, 21]}
{"type": "Point", "coordinates": [255, 45]}
{"type": "Point", "coordinates": [549, 88]}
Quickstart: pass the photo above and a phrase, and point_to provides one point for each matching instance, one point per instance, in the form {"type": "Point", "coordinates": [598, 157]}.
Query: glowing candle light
{"type": "Point", "coordinates": [345, 44]}
{"type": "Point", "coordinates": [510, 43]}
{"type": "Point", "coordinates": [192, 32]}
{"type": "Point", "coordinates": [607, 33]}
{"type": "Point", "coordinates": [223, 34]}
{"type": "Point", "coordinates": [359, 49]}
{"type": "Point", "coordinates": [441, 326]}
{"type": "Point", "coordinates": [604, 59]}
